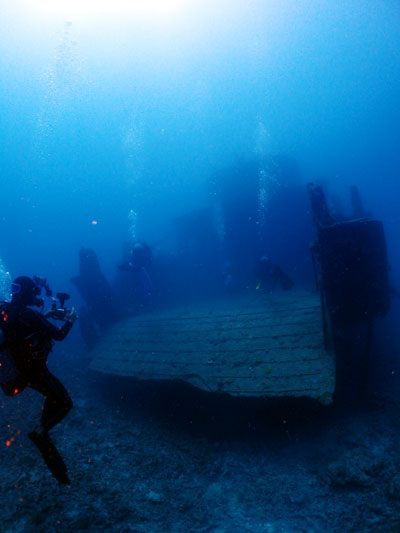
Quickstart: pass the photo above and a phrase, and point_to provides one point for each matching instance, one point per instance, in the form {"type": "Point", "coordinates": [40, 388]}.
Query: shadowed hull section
{"type": "Point", "coordinates": [263, 345]}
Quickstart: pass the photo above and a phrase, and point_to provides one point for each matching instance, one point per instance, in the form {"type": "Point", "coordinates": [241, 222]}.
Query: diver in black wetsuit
{"type": "Point", "coordinates": [133, 283]}
{"type": "Point", "coordinates": [29, 339]}
{"type": "Point", "coordinates": [271, 276]}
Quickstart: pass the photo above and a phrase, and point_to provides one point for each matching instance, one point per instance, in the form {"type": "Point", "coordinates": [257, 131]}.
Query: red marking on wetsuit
{"type": "Point", "coordinates": [5, 316]}
{"type": "Point", "coordinates": [12, 439]}
{"type": "Point", "coordinates": [16, 391]}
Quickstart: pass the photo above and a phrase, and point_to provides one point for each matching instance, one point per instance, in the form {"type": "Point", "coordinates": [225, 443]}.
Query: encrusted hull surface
{"type": "Point", "coordinates": [264, 345]}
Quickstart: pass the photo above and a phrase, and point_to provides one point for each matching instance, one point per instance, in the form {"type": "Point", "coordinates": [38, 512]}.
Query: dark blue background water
{"type": "Point", "coordinates": [104, 114]}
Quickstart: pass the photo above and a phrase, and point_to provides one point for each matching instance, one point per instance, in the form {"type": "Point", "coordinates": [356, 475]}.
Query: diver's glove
{"type": "Point", "coordinates": [71, 316]}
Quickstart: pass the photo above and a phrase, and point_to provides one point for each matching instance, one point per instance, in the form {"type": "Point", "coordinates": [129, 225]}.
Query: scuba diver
{"type": "Point", "coordinates": [28, 338]}
{"type": "Point", "coordinates": [270, 276]}
{"type": "Point", "coordinates": [138, 256]}
{"type": "Point", "coordinates": [133, 283]}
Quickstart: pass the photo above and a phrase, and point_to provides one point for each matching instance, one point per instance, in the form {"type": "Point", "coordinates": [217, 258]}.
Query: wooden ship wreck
{"type": "Point", "coordinates": [269, 345]}
{"type": "Point", "coordinates": [264, 345]}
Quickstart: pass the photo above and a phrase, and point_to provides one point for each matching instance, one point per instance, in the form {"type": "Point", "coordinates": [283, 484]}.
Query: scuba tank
{"type": "Point", "coordinates": [8, 371]}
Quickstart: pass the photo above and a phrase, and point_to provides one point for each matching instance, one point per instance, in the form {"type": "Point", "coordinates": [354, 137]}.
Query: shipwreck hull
{"type": "Point", "coordinates": [264, 345]}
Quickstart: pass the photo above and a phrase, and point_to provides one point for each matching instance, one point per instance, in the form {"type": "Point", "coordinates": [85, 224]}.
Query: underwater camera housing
{"type": "Point", "coordinates": [41, 283]}
{"type": "Point", "coordinates": [59, 312]}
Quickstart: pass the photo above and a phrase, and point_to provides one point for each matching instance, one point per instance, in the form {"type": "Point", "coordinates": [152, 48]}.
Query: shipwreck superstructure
{"type": "Point", "coordinates": [269, 344]}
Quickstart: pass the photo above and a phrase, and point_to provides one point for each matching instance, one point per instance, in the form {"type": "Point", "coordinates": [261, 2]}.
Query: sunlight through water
{"type": "Point", "coordinates": [95, 7]}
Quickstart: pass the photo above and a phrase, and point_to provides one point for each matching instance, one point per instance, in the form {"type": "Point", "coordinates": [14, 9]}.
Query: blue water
{"type": "Point", "coordinates": [103, 115]}
{"type": "Point", "coordinates": [111, 114]}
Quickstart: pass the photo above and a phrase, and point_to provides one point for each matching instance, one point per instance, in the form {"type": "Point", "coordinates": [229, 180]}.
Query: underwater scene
{"type": "Point", "coordinates": [200, 266]}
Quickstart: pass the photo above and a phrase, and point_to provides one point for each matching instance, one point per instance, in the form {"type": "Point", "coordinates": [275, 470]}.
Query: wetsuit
{"type": "Point", "coordinates": [273, 276]}
{"type": "Point", "coordinates": [30, 340]}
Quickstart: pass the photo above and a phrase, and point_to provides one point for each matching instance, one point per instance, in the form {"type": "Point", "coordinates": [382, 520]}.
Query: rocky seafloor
{"type": "Point", "coordinates": [149, 457]}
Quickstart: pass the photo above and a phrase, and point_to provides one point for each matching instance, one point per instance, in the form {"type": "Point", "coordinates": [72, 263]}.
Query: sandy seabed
{"type": "Point", "coordinates": [147, 457]}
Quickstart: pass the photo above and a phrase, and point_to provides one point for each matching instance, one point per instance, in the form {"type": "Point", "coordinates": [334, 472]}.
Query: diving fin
{"type": "Point", "coordinates": [50, 456]}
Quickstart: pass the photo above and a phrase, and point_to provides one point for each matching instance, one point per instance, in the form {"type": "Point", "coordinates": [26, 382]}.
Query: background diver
{"type": "Point", "coordinates": [271, 276]}
{"type": "Point", "coordinates": [28, 338]}
{"type": "Point", "coordinates": [133, 283]}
